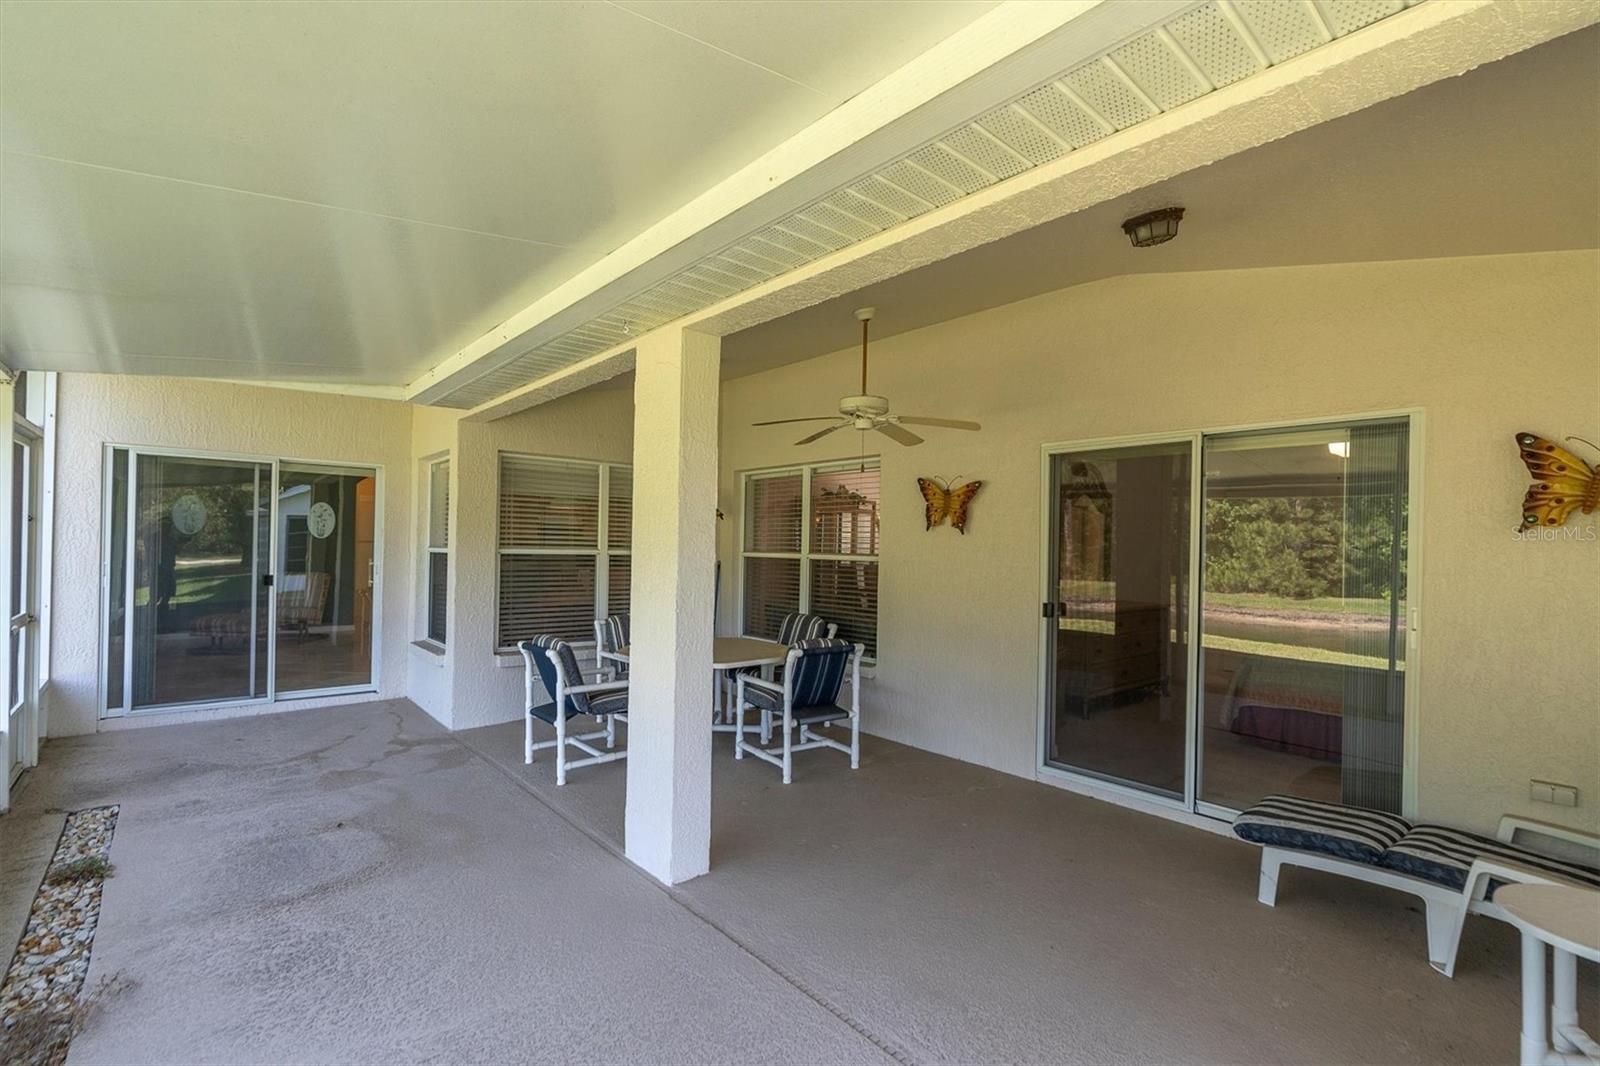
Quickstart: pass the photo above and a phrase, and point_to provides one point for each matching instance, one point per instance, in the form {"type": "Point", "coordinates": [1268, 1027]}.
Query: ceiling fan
{"type": "Point", "coordinates": [868, 412]}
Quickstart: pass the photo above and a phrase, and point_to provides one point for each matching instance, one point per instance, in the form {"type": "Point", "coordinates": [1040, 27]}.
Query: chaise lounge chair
{"type": "Point", "coordinates": [1454, 873]}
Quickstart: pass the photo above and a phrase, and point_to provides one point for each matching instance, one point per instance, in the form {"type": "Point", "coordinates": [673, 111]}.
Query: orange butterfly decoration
{"type": "Point", "coordinates": [1561, 482]}
{"type": "Point", "coordinates": [946, 502]}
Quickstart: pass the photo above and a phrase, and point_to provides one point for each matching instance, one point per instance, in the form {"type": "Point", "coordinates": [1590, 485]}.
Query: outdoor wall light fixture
{"type": "Point", "coordinates": [1153, 227]}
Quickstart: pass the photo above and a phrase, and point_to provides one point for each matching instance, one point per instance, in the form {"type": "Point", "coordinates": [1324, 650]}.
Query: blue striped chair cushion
{"type": "Point", "coordinates": [819, 671]}
{"type": "Point", "coordinates": [1312, 825]}
{"type": "Point", "coordinates": [604, 703]}
{"type": "Point", "coordinates": [763, 698]}
{"type": "Point", "coordinates": [614, 632]}
{"type": "Point", "coordinates": [1444, 856]}
{"type": "Point", "coordinates": [818, 675]}
{"type": "Point", "coordinates": [797, 627]}
{"type": "Point", "coordinates": [577, 703]}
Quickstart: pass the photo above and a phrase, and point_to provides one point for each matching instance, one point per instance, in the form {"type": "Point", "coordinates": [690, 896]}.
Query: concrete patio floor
{"type": "Point", "coordinates": [358, 884]}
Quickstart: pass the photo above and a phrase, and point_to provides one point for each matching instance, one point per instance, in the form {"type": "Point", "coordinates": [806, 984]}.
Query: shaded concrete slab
{"type": "Point", "coordinates": [354, 885]}
{"type": "Point", "coordinates": [964, 915]}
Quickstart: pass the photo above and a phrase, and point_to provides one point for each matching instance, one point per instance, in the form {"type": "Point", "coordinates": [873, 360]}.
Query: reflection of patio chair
{"type": "Point", "coordinates": [301, 600]}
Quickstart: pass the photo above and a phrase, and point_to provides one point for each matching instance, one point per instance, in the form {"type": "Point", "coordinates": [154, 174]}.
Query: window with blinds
{"type": "Point", "coordinates": [811, 544]}
{"type": "Point", "coordinates": [438, 547]}
{"type": "Point", "coordinates": [564, 537]}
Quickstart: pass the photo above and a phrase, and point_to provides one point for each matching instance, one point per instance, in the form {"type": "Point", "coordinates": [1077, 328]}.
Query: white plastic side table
{"type": "Point", "coordinates": [1567, 919]}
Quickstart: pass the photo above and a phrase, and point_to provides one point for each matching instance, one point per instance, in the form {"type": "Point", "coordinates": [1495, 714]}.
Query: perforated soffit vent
{"type": "Point", "coordinates": [1204, 49]}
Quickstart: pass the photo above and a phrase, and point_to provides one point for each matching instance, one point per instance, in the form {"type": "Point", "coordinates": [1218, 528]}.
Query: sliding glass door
{"type": "Point", "coordinates": [1118, 636]}
{"type": "Point", "coordinates": [324, 577]}
{"type": "Point", "coordinates": [190, 607]}
{"type": "Point", "coordinates": [1303, 619]}
{"type": "Point", "coordinates": [1228, 615]}
{"type": "Point", "coordinates": [234, 579]}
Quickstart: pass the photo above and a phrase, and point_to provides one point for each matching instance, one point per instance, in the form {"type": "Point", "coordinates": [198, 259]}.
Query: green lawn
{"type": "Point", "coordinates": [206, 583]}
{"type": "Point", "coordinates": [1254, 601]}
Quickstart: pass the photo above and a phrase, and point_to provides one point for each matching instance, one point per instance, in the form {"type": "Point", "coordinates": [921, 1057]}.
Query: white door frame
{"type": "Point", "coordinates": [24, 743]}
{"type": "Point", "coordinates": [271, 694]}
{"type": "Point", "coordinates": [1190, 808]}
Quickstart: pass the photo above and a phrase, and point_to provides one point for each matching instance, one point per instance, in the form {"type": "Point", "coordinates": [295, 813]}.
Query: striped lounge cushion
{"type": "Point", "coordinates": [1312, 825]}
{"type": "Point", "coordinates": [1443, 855]}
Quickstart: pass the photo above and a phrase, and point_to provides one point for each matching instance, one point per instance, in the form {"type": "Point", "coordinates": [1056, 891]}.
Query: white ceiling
{"type": "Point", "coordinates": [1503, 159]}
{"type": "Point", "coordinates": [341, 191]}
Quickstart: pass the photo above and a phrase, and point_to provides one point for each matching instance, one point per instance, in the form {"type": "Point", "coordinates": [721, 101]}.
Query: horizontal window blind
{"type": "Point", "coordinates": [620, 584]}
{"type": "Point", "coordinates": [439, 504]}
{"type": "Point", "coordinates": [771, 590]}
{"type": "Point", "coordinates": [549, 503]}
{"type": "Point", "coordinates": [619, 520]}
{"type": "Point", "coordinates": [846, 594]}
{"type": "Point", "coordinates": [438, 577]}
{"type": "Point", "coordinates": [557, 573]}
{"type": "Point", "coordinates": [773, 507]}
{"type": "Point", "coordinates": [844, 511]}
{"type": "Point", "coordinates": [546, 595]}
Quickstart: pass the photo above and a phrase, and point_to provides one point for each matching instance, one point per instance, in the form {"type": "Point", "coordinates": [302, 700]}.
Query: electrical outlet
{"type": "Point", "coordinates": [1551, 792]}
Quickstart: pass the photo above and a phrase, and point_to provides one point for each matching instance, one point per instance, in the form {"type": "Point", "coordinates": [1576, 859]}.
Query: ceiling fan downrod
{"type": "Point", "coordinates": [865, 315]}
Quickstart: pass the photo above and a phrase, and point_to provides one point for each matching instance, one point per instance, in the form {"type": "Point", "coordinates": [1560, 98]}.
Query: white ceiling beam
{"type": "Point", "coordinates": [1425, 44]}
{"type": "Point", "coordinates": [997, 57]}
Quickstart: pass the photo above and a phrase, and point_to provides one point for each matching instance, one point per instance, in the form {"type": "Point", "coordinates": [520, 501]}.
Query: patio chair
{"type": "Point", "coordinates": [610, 637]}
{"type": "Point", "coordinates": [1454, 873]}
{"type": "Point", "coordinates": [808, 695]}
{"type": "Point", "coordinates": [794, 627]}
{"type": "Point", "coordinates": [553, 662]}
{"type": "Point", "coordinates": [301, 602]}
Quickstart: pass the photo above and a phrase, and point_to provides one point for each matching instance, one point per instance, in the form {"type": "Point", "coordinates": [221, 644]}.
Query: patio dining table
{"type": "Point", "coordinates": [728, 655]}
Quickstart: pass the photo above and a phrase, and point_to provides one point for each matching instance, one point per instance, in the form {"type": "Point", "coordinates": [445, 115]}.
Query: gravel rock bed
{"type": "Point", "coordinates": [45, 979]}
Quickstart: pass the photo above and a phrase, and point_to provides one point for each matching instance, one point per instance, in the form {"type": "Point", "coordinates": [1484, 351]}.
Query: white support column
{"type": "Point", "coordinates": [668, 824]}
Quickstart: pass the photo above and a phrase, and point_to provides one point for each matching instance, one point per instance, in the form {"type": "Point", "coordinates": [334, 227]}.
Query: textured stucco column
{"type": "Point", "coordinates": [668, 825]}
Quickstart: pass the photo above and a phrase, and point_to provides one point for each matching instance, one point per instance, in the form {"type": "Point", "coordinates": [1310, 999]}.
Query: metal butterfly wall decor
{"type": "Point", "coordinates": [1562, 483]}
{"type": "Point", "coordinates": [943, 501]}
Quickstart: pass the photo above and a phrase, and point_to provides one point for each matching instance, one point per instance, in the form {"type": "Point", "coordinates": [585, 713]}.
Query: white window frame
{"type": "Point", "coordinates": [1190, 809]}
{"type": "Point", "coordinates": [806, 471]}
{"type": "Point", "coordinates": [602, 552]}
{"type": "Point", "coordinates": [430, 551]}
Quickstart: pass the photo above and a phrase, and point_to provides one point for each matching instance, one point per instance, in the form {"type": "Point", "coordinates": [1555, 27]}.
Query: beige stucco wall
{"type": "Point", "coordinates": [1485, 346]}
{"type": "Point", "coordinates": [591, 425]}
{"type": "Point", "coordinates": [94, 410]}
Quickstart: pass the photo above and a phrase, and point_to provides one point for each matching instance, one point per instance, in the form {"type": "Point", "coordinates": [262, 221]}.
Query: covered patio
{"type": "Point", "coordinates": [1146, 447]}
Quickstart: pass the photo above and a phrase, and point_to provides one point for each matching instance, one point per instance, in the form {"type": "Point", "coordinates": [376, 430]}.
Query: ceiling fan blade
{"type": "Point", "coordinates": [895, 433]}
{"type": "Point", "coordinates": [819, 434]}
{"type": "Point", "coordinates": [786, 421]}
{"type": "Point", "coordinates": [946, 423]}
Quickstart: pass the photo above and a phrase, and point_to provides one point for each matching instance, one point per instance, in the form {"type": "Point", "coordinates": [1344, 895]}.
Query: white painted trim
{"type": "Point", "coordinates": [396, 393]}
{"type": "Point", "coordinates": [213, 712]}
{"type": "Point", "coordinates": [47, 536]}
{"type": "Point", "coordinates": [1143, 802]}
